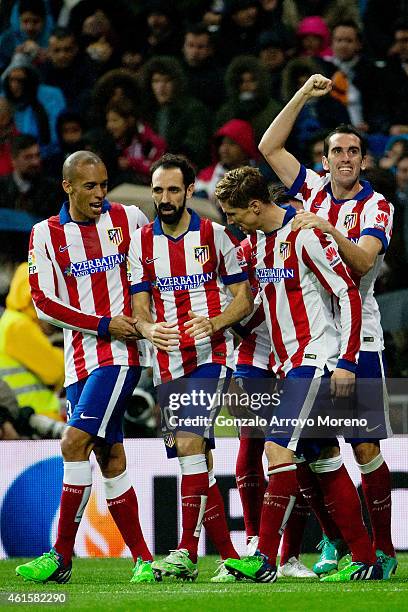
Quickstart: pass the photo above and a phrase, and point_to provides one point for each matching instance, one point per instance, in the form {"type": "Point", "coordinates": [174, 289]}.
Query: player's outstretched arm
{"type": "Point", "coordinates": [164, 336]}
{"type": "Point", "coordinates": [240, 306]}
{"type": "Point", "coordinates": [272, 144]}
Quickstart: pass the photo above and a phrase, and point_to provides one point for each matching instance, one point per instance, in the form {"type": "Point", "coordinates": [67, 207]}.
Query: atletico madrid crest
{"type": "Point", "coordinates": [350, 221]}
{"type": "Point", "coordinates": [202, 254]}
{"type": "Point", "coordinates": [284, 250]}
{"type": "Point", "coordinates": [115, 235]}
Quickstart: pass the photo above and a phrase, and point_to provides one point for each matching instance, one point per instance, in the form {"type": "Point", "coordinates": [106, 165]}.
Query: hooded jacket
{"type": "Point", "coordinates": [240, 132]}
{"type": "Point", "coordinates": [50, 98]}
{"type": "Point", "coordinates": [29, 363]}
{"type": "Point", "coordinates": [259, 109]}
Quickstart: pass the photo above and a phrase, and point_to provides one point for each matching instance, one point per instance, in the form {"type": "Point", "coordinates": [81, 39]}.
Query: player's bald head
{"type": "Point", "coordinates": [75, 161]}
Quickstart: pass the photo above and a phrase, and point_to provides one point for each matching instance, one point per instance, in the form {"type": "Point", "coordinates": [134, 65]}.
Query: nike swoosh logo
{"type": "Point", "coordinates": [82, 416]}
{"type": "Point", "coordinates": [376, 502]}
{"type": "Point", "coordinates": [149, 261]}
{"type": "Point", "coordinates": [369, 429]}
{"type": "Point", "coordinates": [276, 431]}
{"type": "Point", "coordinates": [62, 249]}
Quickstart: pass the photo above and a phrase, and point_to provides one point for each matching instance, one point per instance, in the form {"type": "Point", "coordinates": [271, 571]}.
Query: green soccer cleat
{"type": "Point", "coordinates": [356, 571]}
{"type": "Point", "coordinates": [331, 551]}
{"type": "Point", "coordinates": [177, 564]}
{"type": "Point", "coordinates": [222, 574]}
{"type": "Point", "coordinates": [256, 568]}
{"type": "Point", "coordinates": [389, 564]}
{"type": "Point", "coordinates": [143, 572]}
{"type": "Point", "coordinates": [47, 568]}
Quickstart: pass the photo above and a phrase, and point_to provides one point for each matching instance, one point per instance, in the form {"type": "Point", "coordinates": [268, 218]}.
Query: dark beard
{"type": "Point", "coordinates": [171, 218]}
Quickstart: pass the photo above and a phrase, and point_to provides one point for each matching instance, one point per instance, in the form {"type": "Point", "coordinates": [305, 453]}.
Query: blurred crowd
{"type": "Point", "coordinates": [132, 79]}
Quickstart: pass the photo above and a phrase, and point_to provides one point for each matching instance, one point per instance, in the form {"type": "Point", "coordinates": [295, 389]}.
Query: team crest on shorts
{"type": "Point", "coordinates": [202, 254]}
{"type": "Point", "coordinates": [350, 221]}
{"type": "Point", "coordinates": [115, 235]}
{"type": "Point", "coordinates": [285, 250]}
{"type": "Point", "coordinates": [169, 440]}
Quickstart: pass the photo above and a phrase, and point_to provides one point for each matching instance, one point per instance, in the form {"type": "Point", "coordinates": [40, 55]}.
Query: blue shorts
{"type": "Point", "coordinates": [96, 404]}
{"type": "Point", "coordinates": [371, 402]}
{"type": "Point", "coordinates": [302, 397]}
{"type": "Point", "coordinates": [185, 405]}
{"type": "Point", "coordinates": [248, 377]}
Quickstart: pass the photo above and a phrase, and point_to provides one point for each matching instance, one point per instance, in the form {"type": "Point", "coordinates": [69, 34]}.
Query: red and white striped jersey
{"type": "Point", "coordinates": [367, 214]}
{"type": "Point", "coordinates": [190, 272]}
{"type": "Point", "coordinates": [291, 267]}
{"type": "Point", "coordinates": [254, 349]}
{"type": "Point", "coordinates": [78, 277]}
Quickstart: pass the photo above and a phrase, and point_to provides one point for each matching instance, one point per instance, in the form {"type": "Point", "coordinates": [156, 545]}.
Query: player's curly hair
{"type": "Point", "coordinates": [241, 185]}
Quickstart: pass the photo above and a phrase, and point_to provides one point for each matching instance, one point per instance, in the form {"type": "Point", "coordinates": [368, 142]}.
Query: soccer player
{"type": "Point", "coordinates": [181, 267]}
{"type": "Point", "coordinates": [359, 220]}
{"type": "Point", "coordinates": [253, 362]}
{"type": "Point", "coordinates": [291, 267]}
{"type": "Point", "coordinates": [78, 277]}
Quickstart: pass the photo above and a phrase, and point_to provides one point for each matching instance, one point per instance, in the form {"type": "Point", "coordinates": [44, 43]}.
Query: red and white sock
{"type": "Point", "coordinates": [122, 503]}
{"type": "Point", "coordinates": [194, 493]}
{"type": "Point", "coordinates": [293, 534]}
{"type": "Point", "coordinates": [343, 505]}
{"type": "Point", "coordinates": [250, 478]}
{"type": "Point", "coordinates": [215, 522]}
{"type": "Point", "coordinates": [312, 492]}
{"type": "Point", "coordinates": [76, 490]}
{"type": "Point", "coordinates": [376, 484]}
{"type": "Point", "coordinates": [278, 503]}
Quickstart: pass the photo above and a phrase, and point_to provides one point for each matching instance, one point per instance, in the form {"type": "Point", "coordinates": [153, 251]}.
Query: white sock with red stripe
{"type": "Point", "coordinates": [76, 490]}
{"type": "Point", "coordinates": [122, 503]}
{"type": "Point", "coordinates": [194, 493]}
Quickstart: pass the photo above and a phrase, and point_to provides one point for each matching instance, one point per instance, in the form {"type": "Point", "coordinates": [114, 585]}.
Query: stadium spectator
{"type": "Point", "coordinates": [161, 29]}
{"type": "Point", "coordinates": [28, 188]}
{"type": "Point", "coordinates": [67, 68]}
{"type": "Point", "coordinates": [343, 162]}
{"type": "Point", "coordinates": [31, 37]}
{"type": "Point", "coordinates": [239, 29]}
{"type": "Point", "coordinates": [137, 144]}
{"type": "Point", "coordinates": [313, 38]}
{"type": "Point", "coordinates": [36, 106]}
{"type": "Point", "coordinates": [29, 363]}
{"type": "Point", "coordinates": [331, 11]}
{"type": "Point", "coordinates": [205, 77]}
{"type": "Point", "coordinates": [274, 49]}
{"type": "Point", "coordinates": [70, 130]}
{"type": "Point", "coordinates": [179, 118]}
{"type": "Point", "coordinates": [7, 133]}
{"type": "Point", "coordinates": [394, 150]}
{"type": "Point", "coordinates": [248, 95]}
{"type": "Point", "coordinates": [379, 26]}
{"type": "Point", "coordinates": [196, 330]}
{"type": "Point", "coordinates": [396, 78]}
{"type": "Point", "coordinates": [113, 86]}
{"type": "Point", "coordinates": [102, 143]}
{"type": "Point", "coordinates": [233, 146]}
{"type": "Point", "coordinates": [353, 80]}
{"type": "Point", "coordinates": [244, 195]}
{"type": "Point", "coordinates": [102, 360]}
{"type": "Point", "coordinates": [101, 41]}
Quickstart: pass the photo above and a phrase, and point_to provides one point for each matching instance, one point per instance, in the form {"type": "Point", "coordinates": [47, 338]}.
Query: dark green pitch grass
{"type": "Point", "coordinates": [103, 584]}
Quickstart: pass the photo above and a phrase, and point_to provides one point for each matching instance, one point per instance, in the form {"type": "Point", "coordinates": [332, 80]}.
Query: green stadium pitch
{"type": "Point", "coordinates": [99, 584]}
